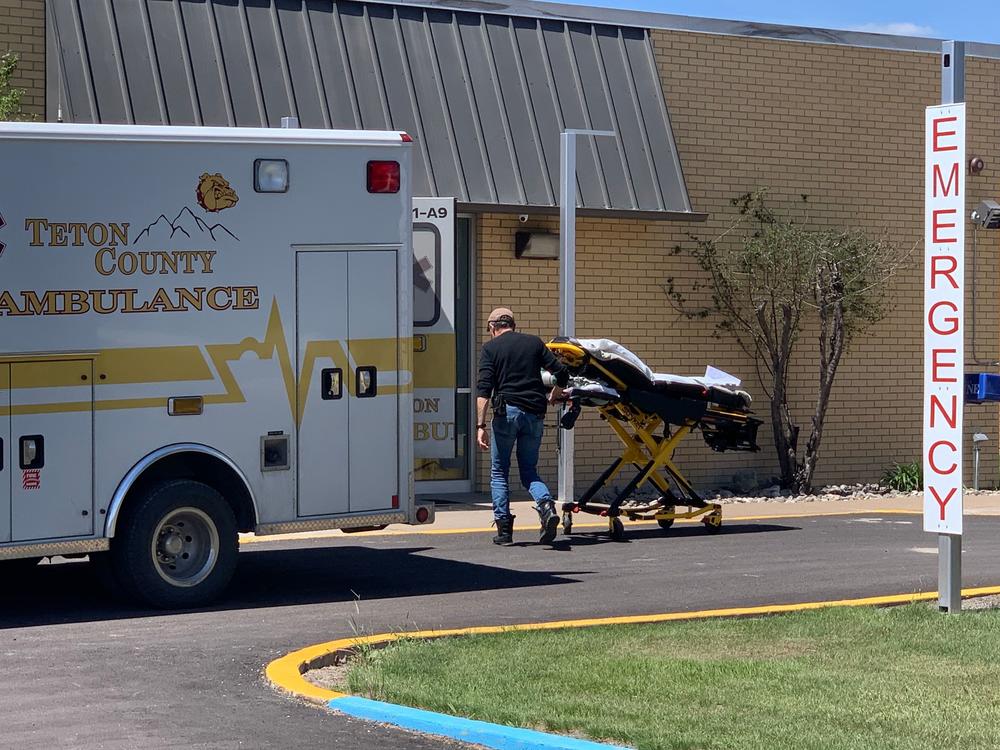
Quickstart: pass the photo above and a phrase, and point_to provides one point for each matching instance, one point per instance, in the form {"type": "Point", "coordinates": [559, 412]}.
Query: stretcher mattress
{"type": "Point", "coordinates": [638, 383]}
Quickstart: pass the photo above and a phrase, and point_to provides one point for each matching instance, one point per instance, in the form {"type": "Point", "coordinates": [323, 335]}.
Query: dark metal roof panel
{"type": "Point", "coordinates": [484, 95]}
{"type": "Point", "coordinates": [668, 21]}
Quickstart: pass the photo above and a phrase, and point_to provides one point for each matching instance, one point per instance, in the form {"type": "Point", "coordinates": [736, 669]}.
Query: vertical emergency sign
{"type": "Point", "coordinates": [944, 329]}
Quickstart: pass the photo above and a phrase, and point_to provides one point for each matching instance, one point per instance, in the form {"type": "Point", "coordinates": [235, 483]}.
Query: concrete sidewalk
{"type": "Point", "coordinates": [470, 512]}
{"type": "Point", "coordinates": [474, 509]}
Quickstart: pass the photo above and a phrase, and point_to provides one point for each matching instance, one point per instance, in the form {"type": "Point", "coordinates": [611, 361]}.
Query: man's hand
{"type": "Point", "coordinates": [556, 394]}
{"type": "Point", "coordinates": [482, 434]}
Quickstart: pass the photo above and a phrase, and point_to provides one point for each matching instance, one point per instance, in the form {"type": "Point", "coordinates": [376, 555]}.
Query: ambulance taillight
{"type": "Point", "coordinates": [383, 177]}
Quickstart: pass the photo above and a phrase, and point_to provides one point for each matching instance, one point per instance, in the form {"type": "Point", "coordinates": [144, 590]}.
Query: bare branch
{"type": "Point", "coordinates": [765, 274]}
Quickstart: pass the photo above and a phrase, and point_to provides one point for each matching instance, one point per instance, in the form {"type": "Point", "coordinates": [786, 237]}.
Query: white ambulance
{"type": "Point", "coordinates": [205, 331]}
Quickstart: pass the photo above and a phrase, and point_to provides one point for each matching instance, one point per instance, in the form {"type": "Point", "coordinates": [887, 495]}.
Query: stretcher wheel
{"type": "Point", "coordinates": [713, 522]}
{"type": "Point", "coordinates": [666, 523]}
{"type": "Point", "coordinates": [617, 529]}
{"type": "Point", "coordinates": [567, 522]}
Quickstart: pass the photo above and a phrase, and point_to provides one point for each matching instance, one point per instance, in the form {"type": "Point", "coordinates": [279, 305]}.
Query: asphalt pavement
{"type": "Point", "coordinates": [82, 671]}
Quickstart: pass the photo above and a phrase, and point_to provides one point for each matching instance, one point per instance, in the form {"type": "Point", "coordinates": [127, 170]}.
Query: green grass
{"type": "Point", "coordinates": [858, 678]}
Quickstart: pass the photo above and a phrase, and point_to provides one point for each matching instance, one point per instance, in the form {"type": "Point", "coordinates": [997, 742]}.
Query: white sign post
{"type": "Point", "coordinates": [567, 282]}
{"type": "Point", "coordinates": [944, 330]}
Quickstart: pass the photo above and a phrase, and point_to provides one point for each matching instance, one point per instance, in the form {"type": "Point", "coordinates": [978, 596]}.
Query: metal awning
{"type": "Point", "coordinates": [484, 95]}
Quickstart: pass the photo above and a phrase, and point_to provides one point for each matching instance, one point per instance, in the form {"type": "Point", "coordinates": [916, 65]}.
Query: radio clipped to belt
{"type": "Point", "coordinates": [499, 406]}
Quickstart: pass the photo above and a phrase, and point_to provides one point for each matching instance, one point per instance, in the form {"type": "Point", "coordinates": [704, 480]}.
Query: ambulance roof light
{"type": "Point", "coordinates": [270, 175]}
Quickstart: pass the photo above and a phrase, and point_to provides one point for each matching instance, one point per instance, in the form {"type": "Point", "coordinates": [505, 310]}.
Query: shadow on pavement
{"type": "Point", "coordinates": [70, 592]}
{"type": "Point", "coordinates": [592, 536]}
{"type": "Point", "coordinates": [330, 573]}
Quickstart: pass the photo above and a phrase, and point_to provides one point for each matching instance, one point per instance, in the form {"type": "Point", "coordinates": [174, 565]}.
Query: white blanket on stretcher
{"type": "Point", "coordinates": [606, 349]}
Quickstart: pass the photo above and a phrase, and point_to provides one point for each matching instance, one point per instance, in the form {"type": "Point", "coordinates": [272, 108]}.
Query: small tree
{"type": "Point", "coordinates": [767, 273]}
{"type": "Point", "coordinates": [10, 97]}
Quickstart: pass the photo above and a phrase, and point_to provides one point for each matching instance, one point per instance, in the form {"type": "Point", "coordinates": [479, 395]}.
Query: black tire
{"type": "Point", "coordinates": [177, 546]}
{"type": "Point", "coordinates": [617, 530]}
{"type": "Point", "coordinates": [666, 523]}
{"type": "Point", "coordinates": [712, 528]}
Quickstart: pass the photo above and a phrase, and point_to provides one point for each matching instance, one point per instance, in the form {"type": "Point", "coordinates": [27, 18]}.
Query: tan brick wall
{"type": "Point", "coordinates": [841, 124]}
{"type": "Point", "coordinates": [22, 31]}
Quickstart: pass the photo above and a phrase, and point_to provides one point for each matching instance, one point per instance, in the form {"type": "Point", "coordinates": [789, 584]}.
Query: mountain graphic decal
{"type": "Point", "coordinates": [184, 224]}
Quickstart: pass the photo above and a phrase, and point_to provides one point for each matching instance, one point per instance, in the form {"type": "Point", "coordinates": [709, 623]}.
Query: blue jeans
{"type": "Point", "coordinates": [525, 430]}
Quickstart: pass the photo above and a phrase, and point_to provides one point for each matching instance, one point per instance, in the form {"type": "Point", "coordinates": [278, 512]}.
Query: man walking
{"type": "Point", "coordinates": [510, 377]}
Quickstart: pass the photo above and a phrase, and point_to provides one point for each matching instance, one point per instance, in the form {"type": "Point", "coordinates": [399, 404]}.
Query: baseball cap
{"type": "Point", "coordinates": [501, 312]}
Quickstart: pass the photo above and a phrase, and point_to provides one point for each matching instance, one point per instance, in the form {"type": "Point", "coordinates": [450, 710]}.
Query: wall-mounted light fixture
{"type": "Point", "coordinates": [536, 245]}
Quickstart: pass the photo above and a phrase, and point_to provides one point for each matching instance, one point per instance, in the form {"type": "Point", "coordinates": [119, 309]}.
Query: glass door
{"type": "Point", "coordinates": [443, 361]}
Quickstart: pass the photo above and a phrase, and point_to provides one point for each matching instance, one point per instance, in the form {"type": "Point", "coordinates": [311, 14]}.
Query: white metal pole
{"type": "Point", "coordinates": [567, 281]}
{"type": "Point", "coordinates": [975, 476]}
{"type": "Point", "coordinates": [567, 290]}
{"type": "Point", "coordinates": [950, 545]}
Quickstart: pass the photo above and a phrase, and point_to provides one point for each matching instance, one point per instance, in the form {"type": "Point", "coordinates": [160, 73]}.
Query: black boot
{"type": "Point", "coordinates": [505, 531]}
{"type": "Point", "coordinates": [550, 522]}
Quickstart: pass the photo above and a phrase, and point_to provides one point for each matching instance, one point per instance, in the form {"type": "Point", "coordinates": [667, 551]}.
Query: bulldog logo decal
{"type": "Point", "coordinates": [215, 193]}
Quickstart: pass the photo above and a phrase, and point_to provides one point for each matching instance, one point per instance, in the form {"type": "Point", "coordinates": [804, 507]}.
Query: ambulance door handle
{"type": "Point", "coordinates": [32, 452]}
{"type": "Point", "coordinates": [331, 384]}
{"type": "Point", "coordinates": [366, 385]}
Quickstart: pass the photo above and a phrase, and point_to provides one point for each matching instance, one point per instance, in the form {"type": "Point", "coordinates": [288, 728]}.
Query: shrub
{"type": "Point", "coordinates": [904, 477]}
{"type": "Point", "coordinates": [10, 97]}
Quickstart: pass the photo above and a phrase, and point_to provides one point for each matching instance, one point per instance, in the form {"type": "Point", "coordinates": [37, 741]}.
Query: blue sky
{"type": "Point", "coordinates": [963, 20]}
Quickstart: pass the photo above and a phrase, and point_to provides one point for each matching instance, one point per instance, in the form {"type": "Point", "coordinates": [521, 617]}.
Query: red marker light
{"type": "Point", "coordinates": [407, 138]}
{"type": "Point", "coordinates": [422, 515]}
{"type": "Point", "coordinates": [383, 177]}
{"type": "Point", "coordinates": [395, 501]}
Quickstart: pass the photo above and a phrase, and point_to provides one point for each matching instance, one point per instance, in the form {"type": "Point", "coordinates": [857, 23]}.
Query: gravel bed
{"type": "Point", "coordinates": [333, 677]}
{"type": "Point", "coordinates": [774, 493]}
{"type": "Point", "coordinates": [982, 602]}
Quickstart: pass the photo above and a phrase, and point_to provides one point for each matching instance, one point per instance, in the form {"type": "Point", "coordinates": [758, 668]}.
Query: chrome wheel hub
{"type": "Point", "coordinates": [185, 547]}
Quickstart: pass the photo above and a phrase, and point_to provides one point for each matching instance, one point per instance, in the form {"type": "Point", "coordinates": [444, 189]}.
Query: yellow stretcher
{"type": "Point", "coordinates": [637, 404]}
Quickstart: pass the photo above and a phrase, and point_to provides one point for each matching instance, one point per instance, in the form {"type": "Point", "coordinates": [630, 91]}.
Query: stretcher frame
{"type": "Point", "coordinates": [651, 455]}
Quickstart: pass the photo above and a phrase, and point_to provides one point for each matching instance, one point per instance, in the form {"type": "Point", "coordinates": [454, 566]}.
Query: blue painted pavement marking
{"type": "Point", "coordinates": [468, 730]}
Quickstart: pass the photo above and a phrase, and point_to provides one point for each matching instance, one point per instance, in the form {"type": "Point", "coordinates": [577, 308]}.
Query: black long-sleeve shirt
{"type": "Point", "coordinates": [511, 365]}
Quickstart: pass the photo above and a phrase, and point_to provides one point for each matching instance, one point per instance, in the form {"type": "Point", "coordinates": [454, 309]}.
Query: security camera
{"type": "Point", "coordinates": [523, 218]}
{"type": "Point", "coordinates": [987, 215]}
{"type": "Point", "coordinates": [976, 165]}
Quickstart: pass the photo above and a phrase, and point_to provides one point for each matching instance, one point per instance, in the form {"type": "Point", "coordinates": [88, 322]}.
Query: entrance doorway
{"type": "Point", "coordinates": [443, 416]}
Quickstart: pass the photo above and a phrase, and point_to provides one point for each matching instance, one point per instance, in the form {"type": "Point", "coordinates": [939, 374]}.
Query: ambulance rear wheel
{"type": "Point", "coordinates": [178, 546]}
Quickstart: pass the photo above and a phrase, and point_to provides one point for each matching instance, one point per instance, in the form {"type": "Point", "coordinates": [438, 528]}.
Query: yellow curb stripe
{"type": "Point", "coordinates": [417, 531]}
{"type": "Point", "coordinates": [286, 672]}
